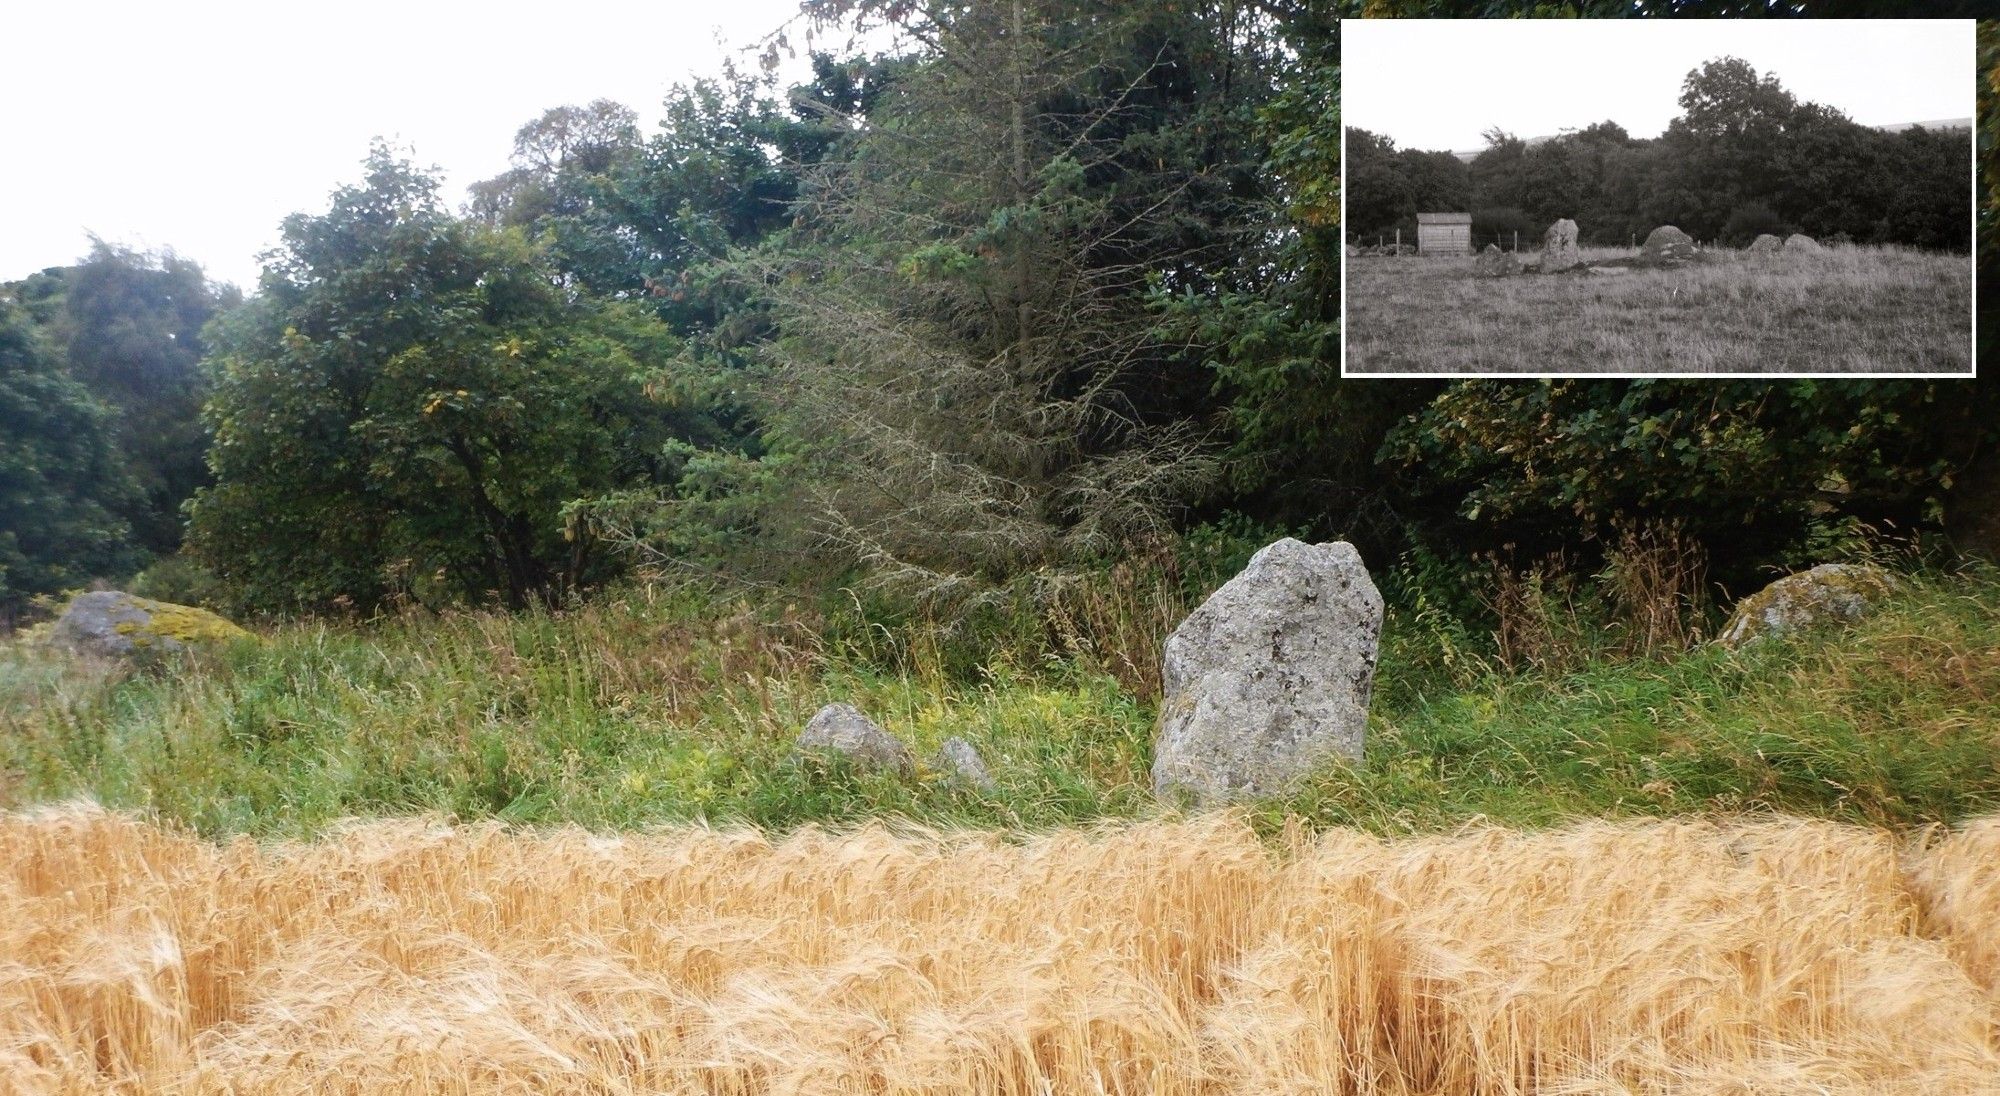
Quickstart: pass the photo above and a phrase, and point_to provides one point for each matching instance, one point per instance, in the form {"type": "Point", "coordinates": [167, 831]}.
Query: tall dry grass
{"type": "Point", "coordinates": [1649, 600]}
{"type": "Point", "coordinates": [1693, 956]}
{"type": "Point", "coordinates": [1846, 310]}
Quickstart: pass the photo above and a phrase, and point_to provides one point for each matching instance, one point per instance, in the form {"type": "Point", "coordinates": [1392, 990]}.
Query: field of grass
{"type": "Point", "coordinates": [1731, 956]}
{"type": "Point", "coordinates": [1847, 310]}
{"type": "Point", "coordinates": [651, 709]}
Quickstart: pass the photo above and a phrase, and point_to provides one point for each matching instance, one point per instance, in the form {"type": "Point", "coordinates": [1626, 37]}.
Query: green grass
{"type": "Point", "coordinates": [617, 715]}
{"type": "Point", "coordinates": [649, 709]}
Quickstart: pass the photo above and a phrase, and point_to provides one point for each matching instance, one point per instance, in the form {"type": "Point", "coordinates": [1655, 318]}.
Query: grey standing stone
{"type": "Point", "coordinates": [842, 729]}
{"type": "Point", "coordinates": [956, 756]}
{"type": "Point", "coordinates": [1830, 592]}
{"type": "Point", "coordinates": [1667, 244]}
{"type": "Point", "coordinates": [1559, 250]}
{"type": "Point", "coordinates": [1270, 678]}
{"type": "Point", "coordinates": [1766, 244]}
{"type": "Point", "coordinates": [1799, 241]}
{"type": "Point", "coordinates": [1495, 263]}
{"type": "Point", "coordinates": [100, 623]}
{"type": "Point", "coordinates": [115, 624]}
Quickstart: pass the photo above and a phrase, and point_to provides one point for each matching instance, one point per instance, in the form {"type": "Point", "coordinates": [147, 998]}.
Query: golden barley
{"type": "Point", "coordinates": [1737, 956]}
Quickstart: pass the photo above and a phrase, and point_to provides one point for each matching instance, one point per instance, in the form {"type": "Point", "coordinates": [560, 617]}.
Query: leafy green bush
{"type": "Point", "coordinates": [180, 580]}
{"type": "Point", "coordinates": [1760, 474]}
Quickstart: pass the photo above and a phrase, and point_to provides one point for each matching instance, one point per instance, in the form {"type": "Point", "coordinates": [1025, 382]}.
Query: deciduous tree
{"type": "Point", "coordinates": [63, 487]}
{"type": "Point", "coordinates": [408, 405]}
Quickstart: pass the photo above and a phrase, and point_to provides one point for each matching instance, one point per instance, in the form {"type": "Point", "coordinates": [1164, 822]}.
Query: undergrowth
{"type": "Point", "coordinates": [658, 706]}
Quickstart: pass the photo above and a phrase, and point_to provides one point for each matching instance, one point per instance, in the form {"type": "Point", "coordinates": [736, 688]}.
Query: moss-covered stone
{"type": "Point", "coordinates": [112, 623]}
{"type": "Point", "coordinates": [1830, 592]}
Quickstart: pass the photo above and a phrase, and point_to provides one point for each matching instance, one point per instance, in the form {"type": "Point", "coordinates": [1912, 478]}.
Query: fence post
{"type": "Point", "coordinates": [1517, 241]}
{"type": "Point", "coordinates": [1399, 241]}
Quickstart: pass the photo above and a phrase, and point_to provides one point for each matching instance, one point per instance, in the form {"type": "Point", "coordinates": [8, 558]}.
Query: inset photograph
{"type": "Point", "coordinates": [1641, 198]}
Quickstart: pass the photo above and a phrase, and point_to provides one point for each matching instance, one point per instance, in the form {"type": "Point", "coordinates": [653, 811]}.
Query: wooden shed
{"type": "Point", "coordinates": [1444, 233]}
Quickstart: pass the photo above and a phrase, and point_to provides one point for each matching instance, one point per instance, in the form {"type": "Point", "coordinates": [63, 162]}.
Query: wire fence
{"type": "Point", "coordinates": [1395, 243]}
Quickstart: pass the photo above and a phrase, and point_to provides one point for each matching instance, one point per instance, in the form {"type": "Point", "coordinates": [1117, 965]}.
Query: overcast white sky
{"type": "Point", "coordinates": [1438, 84]}
{"type": "Point", "coordinates": [199, 124]}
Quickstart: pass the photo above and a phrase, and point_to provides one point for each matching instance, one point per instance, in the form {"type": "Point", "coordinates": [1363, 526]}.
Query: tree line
{"type": "Point", "coordinates": [959, 322]}
{"type": "Point", "coordinates": [1743, 158]}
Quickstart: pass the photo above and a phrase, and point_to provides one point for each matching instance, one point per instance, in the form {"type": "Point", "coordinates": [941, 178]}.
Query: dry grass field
{"type": "Point", "coordinates": [1697, 956]}
{"type": "Point", "coordinates": [1846, 310]}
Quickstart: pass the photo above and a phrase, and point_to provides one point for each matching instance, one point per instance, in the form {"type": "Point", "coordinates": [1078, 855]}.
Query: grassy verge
{"type": "Point", "coordinates": [1894, 722]}
{"type": "Point", "coordinates": [649, 709]}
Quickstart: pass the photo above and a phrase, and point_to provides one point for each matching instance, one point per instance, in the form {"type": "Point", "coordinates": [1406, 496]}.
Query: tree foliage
{"type": "Point", "coordinates": [127, 325]}
{"type": "Point", "coordinates": [63, 490]}
{"type": "Point", "coordinates": [1301, 442]}
{"type": "Point", "coordinates": [133, 327]}
{"type": "Point", "coordinates": [1742, 142]}
{"type": "Point", "coordinates": [960, 314]}
{"type": "Point", "coordinates": [409, 403]}
{"type": "Point", "coordinates": [1763, 473]}
{"type": "Point", "coordinates": [1056, 279]}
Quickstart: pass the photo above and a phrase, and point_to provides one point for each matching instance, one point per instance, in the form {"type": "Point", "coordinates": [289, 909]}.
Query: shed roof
{"type": "Point", "coordinates": [1444, 218]}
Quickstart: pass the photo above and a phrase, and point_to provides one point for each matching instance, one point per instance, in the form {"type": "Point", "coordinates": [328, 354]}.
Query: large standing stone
{"type": "Point", "coordinates": [1829, 592]}
{"type": "Point", "coordinates": [1559, 250]}
{"type": "Point", "coordinates": [1799, 241]}
{"type": "Point", "coordinates": [842, 729]}
{"type": "Point", "coordinates": [1766, 244]}
{"type": "Point", "coordinates": [1495, 263]}
{"type": "Point", "coordinates": [1271, 676]}
{"type": "Point", "coordinates": [113, 624]}
{"type": "Point", "coordinates": [1667, 244]}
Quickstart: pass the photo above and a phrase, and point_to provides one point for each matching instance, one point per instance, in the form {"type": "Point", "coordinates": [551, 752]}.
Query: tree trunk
{"type": "Point", "coordinates": [1023, 280]}
{"type": "Point", "coordinates": [511, 534]}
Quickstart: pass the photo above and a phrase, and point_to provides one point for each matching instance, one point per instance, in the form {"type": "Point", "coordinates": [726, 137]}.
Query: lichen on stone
{"type": "Point", "coordinates": [1841, 592]}
{"type": "Point", "coordinates": [113, 623]}
{"type": "Point", "coordinates": [187, 623]}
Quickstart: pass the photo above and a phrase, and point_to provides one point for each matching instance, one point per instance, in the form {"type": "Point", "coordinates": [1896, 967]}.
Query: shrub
{"type": "Point", "coordinates": [1750, 220]}
{"type": "Point", "coordinates": [180, 580]}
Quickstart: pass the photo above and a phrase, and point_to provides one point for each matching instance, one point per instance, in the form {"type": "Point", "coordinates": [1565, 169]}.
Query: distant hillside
{"type": "Point", "coordinates": [1941, 123]}
{"type": "Point", "coordinates": [1469, 154]}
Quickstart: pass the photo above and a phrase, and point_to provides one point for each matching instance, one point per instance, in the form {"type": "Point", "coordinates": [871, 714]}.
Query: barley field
{"type": "Point", "coordinates": [1846, 310]}
{"type": "Point", "coordinates": [1708, 955]}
